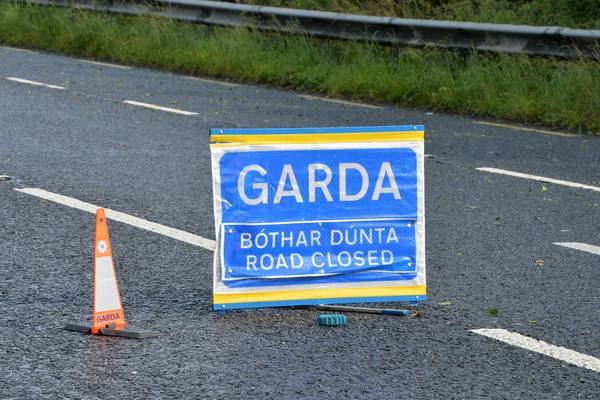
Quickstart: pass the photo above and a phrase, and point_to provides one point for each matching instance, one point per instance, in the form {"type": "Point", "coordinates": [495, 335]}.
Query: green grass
{"type": "Point", "coordinates": [535, 90]}
{"type": "Point", "coordinates": [572, 13]}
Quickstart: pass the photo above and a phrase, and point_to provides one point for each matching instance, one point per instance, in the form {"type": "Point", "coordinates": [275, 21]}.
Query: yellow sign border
{"type": "Point", "coordinates": [329, 293]}
{"type": "Point", "coordinates": [322, 138]}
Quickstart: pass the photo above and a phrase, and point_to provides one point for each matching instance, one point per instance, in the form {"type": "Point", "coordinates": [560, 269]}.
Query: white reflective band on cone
{"type": "Point", "coordinates": [107, 293]}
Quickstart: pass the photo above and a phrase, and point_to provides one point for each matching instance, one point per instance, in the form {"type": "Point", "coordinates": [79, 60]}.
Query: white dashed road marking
{"type": "Point", "coordinates": [34, 83]}
{"type": "Point", "coordinates": [348, 103]}
{"type": "Point", "coordinates": [525, 129]}
{"type": "Point", "coordinates": [539, 178]}
{"type": "Point", "coordinates": [103, 64]}
{"type": "Point", "coordinates": [158, 108]}
{"type": "Point", "coordinates": [193, 78]}
{"type": "Point", "coordinates": [525, 342]}
{"type": "Point", "coordinates": [588, 248]}
{"type": "Point", "coordinates": [124, 218]}
{"type": "Point", "coordinates": [18, 49]}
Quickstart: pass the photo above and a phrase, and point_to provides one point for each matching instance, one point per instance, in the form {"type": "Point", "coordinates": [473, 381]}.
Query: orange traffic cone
{"type": "Point", "coordinates": [108, 317]}
{"type": "Point", "coordinates": [107, 300]}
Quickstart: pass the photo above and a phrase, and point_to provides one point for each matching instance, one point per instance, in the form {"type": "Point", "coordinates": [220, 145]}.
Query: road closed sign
{"type": "Point", "coordinates": [318, 216]}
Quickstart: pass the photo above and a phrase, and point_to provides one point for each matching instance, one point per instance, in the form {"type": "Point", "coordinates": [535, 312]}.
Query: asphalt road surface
{"type": "Point", "coordinates": [490, 244]}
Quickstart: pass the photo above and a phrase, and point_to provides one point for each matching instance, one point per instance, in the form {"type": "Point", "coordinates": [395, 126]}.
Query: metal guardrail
{"type": "Point", "coordinates": [533, 40]}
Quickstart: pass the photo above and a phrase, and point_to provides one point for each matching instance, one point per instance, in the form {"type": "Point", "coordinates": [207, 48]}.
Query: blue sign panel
{"type": "Point", "coordinates": [318, 248]}
{"type": "Point", "coordinates": [312, 185]}
{"type": "Point", "coordinates": [345, 211]}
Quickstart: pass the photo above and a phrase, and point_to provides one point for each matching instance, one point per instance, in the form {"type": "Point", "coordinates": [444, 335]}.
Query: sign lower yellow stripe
{"type": "Point", "coordinates": [380, 291]}
{"type": "Point", "coordinates": [321, 138]}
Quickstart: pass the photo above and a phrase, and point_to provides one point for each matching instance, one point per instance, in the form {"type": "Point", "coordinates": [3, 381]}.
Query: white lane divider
{"type": "Point", "coordinates": [538, 346]}
{"type": "Point", "coordinates": [588, 248]}
{"type": "Point", "coordinates": [158, 108]}
{"type": "Point", "coordinates": [103, 64]}
{"type": "Point", "coordinates": [538, 178]}
{"type": "Point", "coordinates": [33, 83]}
{"type": "Point", "coordinates": [124, 218]}
{"type": "Point", "coordinates": [348, 103]}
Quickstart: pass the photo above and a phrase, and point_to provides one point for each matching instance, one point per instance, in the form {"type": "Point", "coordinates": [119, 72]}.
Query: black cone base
{"type": "Point", "coordinates": [129, 332]}
{"type": "Point", "coordinates": [134, 333]}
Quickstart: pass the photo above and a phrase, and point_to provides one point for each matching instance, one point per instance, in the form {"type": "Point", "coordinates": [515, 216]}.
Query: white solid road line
{"type": "Point", "coordinates": [348, 103]}
{"type": "Point", "coordinates": [193, 78]}
{"type": "Point", "coordinates": [580, 246]}
{"type": "Point", "coordinates": [539, 178]}
{"type": "Point", "coordinates": [158, 108]}
{"type": "Point", "coordinates": [124, 218]}
{"type": "Point", "coordinates": [525, 342]}
{"type": "Point", "coordinates": [18, 49]}
{"type": "Point", "coordinates": [33, 83]}
{"type": "Point", "coordinates": [525, 129]}
{"type": "Point", "coordinates": [103, 64]}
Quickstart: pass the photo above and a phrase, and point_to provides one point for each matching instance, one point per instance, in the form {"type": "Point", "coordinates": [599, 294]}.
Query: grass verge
{"type": "Point", "coordinates": [535, 90]}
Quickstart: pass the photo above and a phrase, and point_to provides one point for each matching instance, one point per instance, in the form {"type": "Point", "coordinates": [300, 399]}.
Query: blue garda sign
{"type": "Point", "coordinates": [312, 216]}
